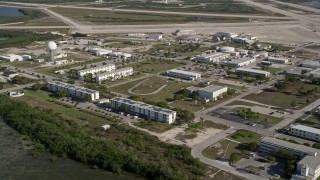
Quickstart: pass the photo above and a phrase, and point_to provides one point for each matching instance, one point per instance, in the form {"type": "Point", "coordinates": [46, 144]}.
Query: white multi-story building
{"type": "Point", "coordinates": [311, 64]}
{"type": "Point", "coordinates": [96, 70]}
{"type": "Point", "coordinates": [74, 91]}
{"type": "Point", "coordinates": [212, 92]}
{"type": "Point", "coordinates": [279, 60]}
{"type": "Point", "coordinates": [144, 110]}
{"type": "Point", "coordinates": [211, 57]}
{"type": "Point", "coordinates": [269, 145]}
{"type": "Point", "coordinates": [308, 168]}
{"type": "Point", "coordinates": [184, 74]}
{"type": "Point", "coordinates": [240, 62]}
{"type": "Point", "coordinates": [253, 72]}
{"type": "Point", "coordinates": [116, 74]}
{"type": "Point", "coordinates": [305, 132]}
{"type": "Point", "coordinates": [120, 55]}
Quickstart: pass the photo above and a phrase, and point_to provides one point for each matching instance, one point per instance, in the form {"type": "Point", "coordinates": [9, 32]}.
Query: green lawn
{"type": "Point", "coordinates": [154, 126]}
{"type": "Point", "coordinates": [186, 105]}
{"type": "Point", "coordinates": [25, 64]}
{"type": "Point", "coordinates": [219, 149]}
{"type": "Point", "coordinates": [244, 103]}
{"type": "Point", "coordinates": [42, 99]}
{"type": "Point", "coordinates": [167, 93]}
{"type": "Point", "coordinates": [150, 85]}
{"type": "Point", "coordinates": [270, 120]}
{"type": "Point", "coordinates": [310, 121]}
{"type": "Point", "coordinates": [123, 88]}
{"type": "Point", "coordinates": [117, 17]}
{"type": "Point", "coordinates": [283, 100]}
{"type": "Point", "coordinates": [156, 66]}
{"type": "Point", "coordinates": [273, 69]}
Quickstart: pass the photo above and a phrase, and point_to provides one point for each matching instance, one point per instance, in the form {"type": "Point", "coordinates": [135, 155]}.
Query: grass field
{"type": "Point", "coordinates": [167, 93]}
{"type": "Point", "coordinates": [42, 99]}
{"type": "Point", "coordinates": [150, 85]}
{"type": "Point", "coordinates": [273, 69]}
{"type": "Point", "coordinates": [244, 103]}
{"type": "Point", "coordinates": [191, 106]}
{"type": "Point", "coordinates": [283, 100]}
{"type": "Point", "coordinates": [156, 66]}
{"type": "Point", "coordinates": [25, 64]}
{"type": "Point", "coordinates": [310, 121]}
{"type": "Point", "coordinates": [154, 126]}
{"type": "Point", "coordinates": [269, 120]}
{"type": "Point", "coordinates": [224, 148]}
{"type": "Point", "coordinates": [117, 17]}
{"type": "Point", "coordinates": [123, 88]}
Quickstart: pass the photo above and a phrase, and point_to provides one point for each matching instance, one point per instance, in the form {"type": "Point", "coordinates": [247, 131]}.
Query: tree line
{"type": "Point", "coordinates": [121, 148]}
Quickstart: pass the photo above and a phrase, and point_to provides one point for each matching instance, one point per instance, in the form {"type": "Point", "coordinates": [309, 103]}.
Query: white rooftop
{"type": "Point", "coordinates": [306, 128]}
{"type": "Point", "coordinates": [212, 88]}
{"type": "Point", "coordinates": [298, 147]}
{"type": "Point", "coordinates": [144, 105]}
{"type": "Point", "coordinates": [184, 72]}
{"type": "Point", "coordinates": [252, 70]}
{"type": "Point", "coordinates": [93, 68]}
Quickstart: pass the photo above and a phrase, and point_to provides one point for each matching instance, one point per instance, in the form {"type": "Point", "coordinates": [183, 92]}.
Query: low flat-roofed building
{"type": "Point", "coordinates": [74, 91]}
{"type": "Point", "coordinates": [156, 37]}
{"type": "Point", "coordinates": [100, 52]}
{"type": "Point", "coordinates": [252, 72]}
{"type": "Point", "coordinates": [211, 57]}
{"type": "Point", "coordinates": [11, 57]}
{"type": "Point", "coordinates": [143, 110]}
{"type": "Point", "coordinates": [269, 145]}
{"type": "Point", "coordinates": [279, 60]}
{"type": "Point", "coordinates": [212, 92]}
{"type": "Point", "coordinates": [305, 132]}
{"type": "Point", "coordinates": [311, 64]}
{"type": "Point", "coordinates": [116, 74]}
{"type": "Point", "coordinates": [185, 32]}
{"type": "Point", "coordinates": [297, 71]}
{"type": "Point", "coordinates": [187, 75]}
{"type": "Point", "coordinates": [95, 70]}
{"type": "Point", "coordinates": [228, 35]}
{"type": "Point", "coordinates": [308, 168]}
{"type": "Point", "coordinates": [245, 61]}
{"type": "Point", "coordinates": [62, 62]}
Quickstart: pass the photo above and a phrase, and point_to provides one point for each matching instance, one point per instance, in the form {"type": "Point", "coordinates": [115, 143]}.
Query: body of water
{"type": "Point", "coordinates": [9, 11]}
{"type": "Point", "coordinates": [314, 4]}
{"type": "Point", "coordinates": [16, 163]}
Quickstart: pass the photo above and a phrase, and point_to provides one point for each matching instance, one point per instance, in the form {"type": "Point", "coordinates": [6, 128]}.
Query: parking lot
{"type": "Point", "coordinates": [232, 115]}
{"type": "Point", "coordinates": [260, 166]}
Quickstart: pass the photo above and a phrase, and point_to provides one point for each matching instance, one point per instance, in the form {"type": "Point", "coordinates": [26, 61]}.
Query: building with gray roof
{"type": "Point", "coordinates": [305, 132]}
{"type": "Point", "coordinates": [143, 109]}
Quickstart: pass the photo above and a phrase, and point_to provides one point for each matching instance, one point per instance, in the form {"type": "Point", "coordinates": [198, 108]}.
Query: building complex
{"type": "Point", "coordinates": [144, 110]}
{"type": "Point", "coordinates": [96, 70]}
{"type": "Point", "coordinates": [245, 61]}
{"type": "Point", "coordinates": [305, 132]}
{"type": "Point", "coordinates": [252, 72]}
{"type": "Point", "coordinates": [211, 57]}
{"type": "Point", "coordinates": [187, 75]}
{"type": "Point", "coordinates": [73, 91]}
{"type": "Point", "coordinates": [116, 74]}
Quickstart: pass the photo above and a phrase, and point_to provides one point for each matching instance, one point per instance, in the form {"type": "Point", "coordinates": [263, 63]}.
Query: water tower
{"type": "Point", "coordinates": [51, 48]}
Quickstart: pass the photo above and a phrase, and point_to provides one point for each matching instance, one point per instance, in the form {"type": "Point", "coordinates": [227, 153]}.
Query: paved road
{"type": "Point", "coordinates": [197, 153]}
{"type": "Point", "coordinates": [45, 6]}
